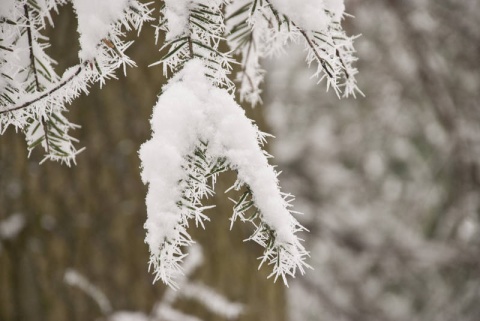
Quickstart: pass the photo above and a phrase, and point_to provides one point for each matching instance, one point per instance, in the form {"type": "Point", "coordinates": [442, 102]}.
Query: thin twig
{"type": "Point", "coordinates": [35, 74]}
{"type": "Point", "coordinates": [337, 53]}
{"type": "Point", "coordinates": [312, 46]}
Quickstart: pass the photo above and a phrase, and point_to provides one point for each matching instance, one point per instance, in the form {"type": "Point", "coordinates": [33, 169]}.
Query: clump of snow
{"type": "Point", "coordinates": [11, 226]}
{"type": "Point", "coordinates": [336, 8]}
{"type": "Point", "coordinates": [176, 13]}
{"type": "Point", "coordinates": [6, 8]}
{"type": "Point", "coordinates": [192, 110]}
{"type": "Point", "coordinates": [95, 18]}
{"type": "Point", "coordinates": [311, 15]}
{"type": "Point", "coordinates": [307, 14]}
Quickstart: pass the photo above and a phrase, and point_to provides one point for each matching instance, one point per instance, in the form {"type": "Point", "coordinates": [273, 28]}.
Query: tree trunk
{"type": "Point", "coordinates": [90, 217]}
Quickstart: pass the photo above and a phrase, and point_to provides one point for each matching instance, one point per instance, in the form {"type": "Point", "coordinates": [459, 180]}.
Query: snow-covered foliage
{"type": "Point", "coordinates": [198, 130]}
{"type": "Point", "coordinates": [260, 28]}
{"type": "Point", "coordinates": [32, 95]}
{"type": "Point", "coordinates": [191, 144]}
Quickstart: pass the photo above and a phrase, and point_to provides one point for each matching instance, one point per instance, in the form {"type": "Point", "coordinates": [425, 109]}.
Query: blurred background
{"type": "Point", "coordinates": [388, 183]}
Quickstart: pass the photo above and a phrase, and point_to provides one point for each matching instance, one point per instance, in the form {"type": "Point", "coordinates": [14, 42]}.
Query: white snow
{"type": "Point", "coordinates": [95, 18]}
{"type": "Point", "coordinates": [176, 14]}
{"type": "Point", "coordinates": [336, 8]}
{"type": "Point", "coordinates": [192, 110]}
{"type": "Point", "coordinates": [307, 14]}
{"type": "Point", "coordinates": [311, 15]}
{"type": "Point", "coordinates": [11, 226]}
{"type": "Point", "coordinates": [6, 8]}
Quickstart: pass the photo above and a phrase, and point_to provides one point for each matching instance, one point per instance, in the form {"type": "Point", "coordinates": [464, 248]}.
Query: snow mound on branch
{"type": "Point", "coordinates": [311, 14]}
{"type": "Point", "coordinates": [95, 18]}
{"type": "Point", "coordinates": [6, 8]}
{"type": "Point", "coordinates": [176, 13]}
{"type": "Point", "coordinates": [190, 111]}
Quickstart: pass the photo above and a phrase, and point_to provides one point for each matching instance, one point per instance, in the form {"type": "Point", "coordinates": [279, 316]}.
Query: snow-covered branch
{"type": "Point", "coordinates": [191, 111]}
{"type": "Point", "coordinates": [198, 130]}
{"type": "Point", "coordinates": [193, 141]}
{"type": "Point", "coordinates": [33, 97]}
{"type": "Point", "coordinates": [260, 28]}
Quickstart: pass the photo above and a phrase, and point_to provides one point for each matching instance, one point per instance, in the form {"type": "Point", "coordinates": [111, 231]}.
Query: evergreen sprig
{"type": "Point", "coordinates": [201, 171]}
{"type": "Point", "coordinates": [257, 30]}
{"type": "Point", "coordinates": [33, 96]}
{"type": "Point", "coordinates": [200, 39]}
{"type": "Point", "coordinates": [331, 51]}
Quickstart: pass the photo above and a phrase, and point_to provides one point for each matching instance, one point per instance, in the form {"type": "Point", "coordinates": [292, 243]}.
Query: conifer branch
{"type": "Point", "coordinates": [314, 49]}
{"type": "Point", "coordinates": [304, 34]}
{"type": "Point", "coordinates": [345, 70]}
{"type": "Point", "coordinates": [334, 58]}
{"type": "Point", "coordinates": [222, 138]}
{"type": "Point", "coordinates": [33, 68]}
{"type": "Point", "coordinates": [46, 93]}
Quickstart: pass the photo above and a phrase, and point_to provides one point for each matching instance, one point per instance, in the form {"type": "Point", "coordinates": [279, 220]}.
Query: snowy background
{"type": "Point", "coordinates": [389, 183]}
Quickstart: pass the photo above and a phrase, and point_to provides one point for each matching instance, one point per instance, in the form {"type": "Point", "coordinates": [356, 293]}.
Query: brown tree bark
{"type": "Point", "coordinates": [90, 217]}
